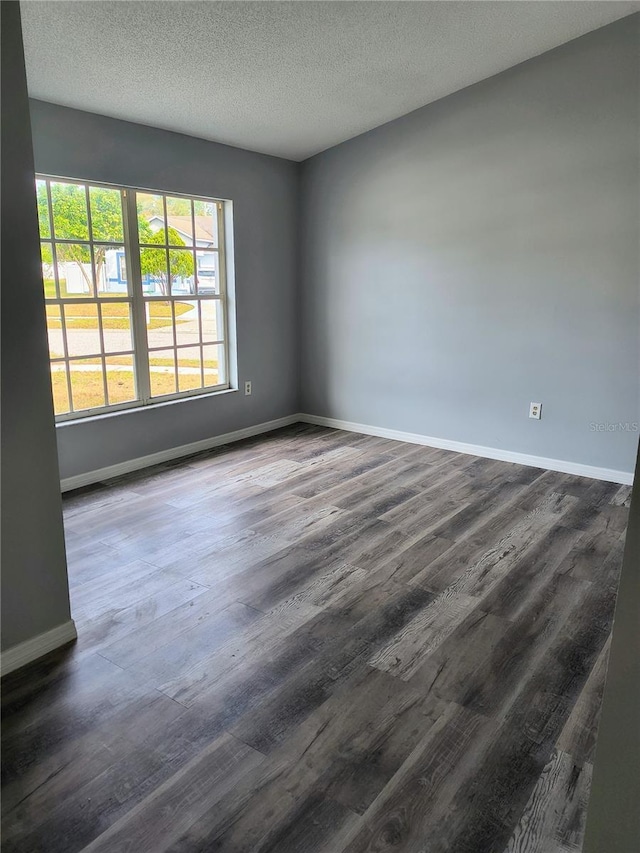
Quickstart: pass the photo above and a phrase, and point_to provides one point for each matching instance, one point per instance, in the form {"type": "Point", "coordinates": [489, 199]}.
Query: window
{"type": "Point", "coordinates": [135, 295]}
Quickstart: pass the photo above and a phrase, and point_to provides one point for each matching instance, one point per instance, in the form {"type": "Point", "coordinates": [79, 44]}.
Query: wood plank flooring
{"type": "Point", "coordinates": [321, 642]}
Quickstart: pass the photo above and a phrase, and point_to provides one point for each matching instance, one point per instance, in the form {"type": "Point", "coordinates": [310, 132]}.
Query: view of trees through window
{"type": "Point", "coordinates": [135, 294]}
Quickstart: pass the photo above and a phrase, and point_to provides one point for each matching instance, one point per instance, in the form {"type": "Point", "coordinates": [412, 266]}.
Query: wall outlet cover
{"type": "Point", "coordinates": [535, 410]}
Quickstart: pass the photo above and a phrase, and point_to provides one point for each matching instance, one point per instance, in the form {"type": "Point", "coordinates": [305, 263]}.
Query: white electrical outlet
{"type": "Point", "coordinates": [247, 388]}
{"type": "Point", "coordinates": [535, 410]}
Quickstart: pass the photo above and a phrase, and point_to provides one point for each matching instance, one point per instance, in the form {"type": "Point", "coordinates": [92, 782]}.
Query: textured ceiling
{"type": "Point", "coordinates": [284, 78]}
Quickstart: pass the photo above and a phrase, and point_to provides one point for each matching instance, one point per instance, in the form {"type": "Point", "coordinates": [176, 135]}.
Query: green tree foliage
{"type": "Point", "coordinates": [182, 207]}
{"type": "Point", "coordinates": [71, 222]}
{"type": "Point", "coordinates": [47, 259]}
{"type": "Point", "coordinates": [178, 207]}
{"type": "Point", "coordinates": [153, 262]}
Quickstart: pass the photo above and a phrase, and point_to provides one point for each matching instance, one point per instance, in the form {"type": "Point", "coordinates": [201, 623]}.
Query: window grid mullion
{"type": "Point", "coordinates": [56, 282]}
{"type": "Point", "coordinates": [198, 303]}
{"type": "Point", "coordinates": [94, 355]}
{"type": "Point", "coordinates": [186, 346]}
{"type": "Point", "coordinates": [103, 349]}
{"type": "Point", "coordinates": [90, 300]}
{"type": "Point", "coordinates": [134, 280]}
{"type": "Point", "coordinates": [88, 203]}
{"type": "Point", "coordinates": [63, 325]}
{"type": "Point", "coordinates": [82, 241]}
{"type": "Point", "coordinates": [194, 239]}
{"type": "Point", "coordinates": [96, 301]}
{"type": "Point", "coordinates": [54, 257]}
{"type": "Point", "coordinates": [222, 287]}
{"type": "Point", "coordinates": [175, 345]}
{"type": "Point", "coordinates": [200, 336]}
{"type": "Point", "coordinates": [180, 297]}
{"type": "Point", "coordinates": [166, 249]}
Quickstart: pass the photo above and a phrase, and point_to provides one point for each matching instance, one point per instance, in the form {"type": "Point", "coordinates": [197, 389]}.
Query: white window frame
{"type": "Point", "coordinates": [136, 298]}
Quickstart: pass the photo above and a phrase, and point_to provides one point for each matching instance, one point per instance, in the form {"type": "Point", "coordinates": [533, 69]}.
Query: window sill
{"type": "Point", "coordinates": [150, 406]}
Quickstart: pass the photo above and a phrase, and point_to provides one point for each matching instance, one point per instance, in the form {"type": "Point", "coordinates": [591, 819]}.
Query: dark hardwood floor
{"type": "Point", "coordinates": [321, 641]}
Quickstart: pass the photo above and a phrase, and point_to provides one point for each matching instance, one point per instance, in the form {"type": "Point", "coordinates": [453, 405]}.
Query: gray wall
{"type": "Point", "coordinates": [613, 819]}
{"type": "Point", "coordinates": [264, 191]}
{"type": "Point", "coordinates": [35, 596]}
{"type": "Point", "coordinates": [481, 253]}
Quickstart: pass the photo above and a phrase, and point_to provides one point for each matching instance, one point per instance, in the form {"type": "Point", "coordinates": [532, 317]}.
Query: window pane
{"type": "Point", "coordinates": [121, 385]}
{"type": "Point", "coordinates": [211, 312]}
{"type": "Point", "coordinates": [207, 275]}
{"type": "Point", "coordinates": [111, 271]}
{"type": "Point", "coordinates": [180, 225]}
{"type": "Point", "coordinates": [87, 387]}
{"type": "Point", "coordinates": [187, 326]}
{"type": "Point", "coordinates": [74, 269]}
{"type": "Point", "coordinates": [151, 224]}
{"type": "Point", "coordinates": [69, 202]}
{"type": "Point", "coordinates": [48, 273]}
{"type": "Point", "coordinates": [116, 326]}
{"type": "Point", "coordinates": [181, 268]}
{"type": "Point", "coordinates": [106, 214]}
{"type": "Point", "coordinates": [213, 362]}
{"type": "Point", "coordinates": [206, 215]}
{"type": "Point", "coordinates": [189, 374]}
{"type": "Point", "coordinates": [43, 209]}
{"type": "Point", "coordinates": [159, 320]}
{"type": "Point", "coordinates": [54, 331]}
{"type": "Point", "coordinates": [162, 373]}
{"type": "Point", "coordinates": [59, 388]}
{"type": "Point", "coordinates": [90, 305]}
{"type": "Point", "coordinates": [83, 334]}
{"type": "Point", "coordinates": [153, 265]}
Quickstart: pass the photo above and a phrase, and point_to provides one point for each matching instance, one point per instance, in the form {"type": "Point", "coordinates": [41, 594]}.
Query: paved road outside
{"type": "Point", "coordinates": [86, 342]}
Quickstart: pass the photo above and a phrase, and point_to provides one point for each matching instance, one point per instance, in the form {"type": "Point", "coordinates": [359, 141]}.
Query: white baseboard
{"type": "Point", "coordinates": [608, 474]}
{"type": "Point", "coordinates": [140, 462]}
{"type": "Point", "coordinates": [36, 647]}
{"type": "Point", "coordinates": [90, 477]}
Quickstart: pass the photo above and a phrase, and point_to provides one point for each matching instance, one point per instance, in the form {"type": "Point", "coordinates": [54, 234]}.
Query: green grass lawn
{"type": "Point", "coordinates": [107, 323]}
{"type": "Point", "coordinates": [209, 363]}
{"type": "Point", "coordinates": [88, 391]}
{"type": "Point", "coordinates": [115, 315]}
{"type": "Point", "coordinates": [87, 386]}
{"type": "Point", "coordinates": [50, 288]}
